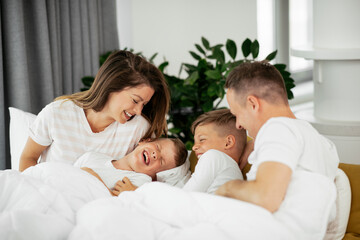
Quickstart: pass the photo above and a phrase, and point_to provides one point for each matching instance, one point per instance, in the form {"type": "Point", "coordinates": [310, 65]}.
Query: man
{"type": "Point", "coordinates": [286, 149]}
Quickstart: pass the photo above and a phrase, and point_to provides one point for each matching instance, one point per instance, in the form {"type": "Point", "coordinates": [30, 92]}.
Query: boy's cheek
{"type": "Point", "coordinates": [206, 147]}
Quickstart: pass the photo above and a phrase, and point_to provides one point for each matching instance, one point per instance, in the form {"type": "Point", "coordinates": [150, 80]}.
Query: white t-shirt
{"type": "Point", "coordinates": [63, 127]}
{"type": "Point", "coordinates": [309, 203]}
{"type": "Point", "coordinates": [213, 169]}
{"type": "Point", "coordinates": [296, 144]}
{"type": "Point", "coordinates": [102, 165]}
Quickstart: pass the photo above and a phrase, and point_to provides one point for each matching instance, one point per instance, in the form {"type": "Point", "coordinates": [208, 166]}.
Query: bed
{"type": "Point", "coordinates": [57, 201]}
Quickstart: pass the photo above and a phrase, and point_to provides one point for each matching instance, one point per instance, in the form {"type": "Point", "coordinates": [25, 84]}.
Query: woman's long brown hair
{"type": "Point", "coordinates": [121, 70]}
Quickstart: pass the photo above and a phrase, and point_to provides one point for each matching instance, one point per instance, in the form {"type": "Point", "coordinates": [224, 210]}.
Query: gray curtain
{"type": "Point", "coordinates": [46, 47]}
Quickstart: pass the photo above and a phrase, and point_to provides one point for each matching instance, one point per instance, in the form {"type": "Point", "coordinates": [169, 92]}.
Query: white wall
{"type": "Point", "coordinates": [124, 22]}
{"type": "Point", "coordinates": [172, 27]}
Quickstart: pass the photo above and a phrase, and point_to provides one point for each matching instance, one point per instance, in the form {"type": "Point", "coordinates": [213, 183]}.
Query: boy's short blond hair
{"type": "Point", "coordinates": [225, 122]}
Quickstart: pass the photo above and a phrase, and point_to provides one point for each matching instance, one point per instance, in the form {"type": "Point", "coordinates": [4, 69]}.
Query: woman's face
{"type": "Point", "coordinates": [123, 105]}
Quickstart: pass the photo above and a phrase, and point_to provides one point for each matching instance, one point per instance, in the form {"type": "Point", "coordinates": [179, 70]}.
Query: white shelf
{"type": "Point", "coordinates": [309, 52]}
{"type": "Point", "coordinates": [334, 128]}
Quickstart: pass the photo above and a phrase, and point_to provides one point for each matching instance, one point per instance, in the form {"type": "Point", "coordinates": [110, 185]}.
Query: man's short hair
{"type": "Point", "coordinates": [260, 79]}
{"type": "Point", "coordinates": [225, 122]}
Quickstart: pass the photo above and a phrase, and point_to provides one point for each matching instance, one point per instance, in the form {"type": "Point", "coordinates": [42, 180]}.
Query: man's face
{"type": "Point", "coordinates": [206, 137]}
{"type": "Point", "coordinates": [241, 112]}
{"type": "Point", "coordinates": [153, 157]}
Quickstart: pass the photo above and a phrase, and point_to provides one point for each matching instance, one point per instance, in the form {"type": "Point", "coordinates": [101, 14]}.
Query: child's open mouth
{"type": "Point", "coordinates": [146, 157]}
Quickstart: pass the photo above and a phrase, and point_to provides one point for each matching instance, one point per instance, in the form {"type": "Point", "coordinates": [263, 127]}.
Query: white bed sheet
{"type": "Point", "coordinates": [41, 203]}
{"type": "Point", "coordinates": [159, 211]}
{"type": "Point", "coordinates": [56, 201]}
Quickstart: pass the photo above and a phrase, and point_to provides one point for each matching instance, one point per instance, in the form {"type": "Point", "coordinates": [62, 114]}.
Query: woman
{"type": "Point", "coordinates": [127, 102]}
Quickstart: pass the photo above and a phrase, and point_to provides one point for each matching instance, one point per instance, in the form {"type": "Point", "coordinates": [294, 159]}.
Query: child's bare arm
{"type": "Point", "coordinates": [89, 170]}
{"type": "Point", "coordinates": [123, 185]}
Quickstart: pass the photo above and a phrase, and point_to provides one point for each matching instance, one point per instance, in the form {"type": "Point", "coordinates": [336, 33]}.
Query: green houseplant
{"type": "Point", "coordinates": [203, 88]}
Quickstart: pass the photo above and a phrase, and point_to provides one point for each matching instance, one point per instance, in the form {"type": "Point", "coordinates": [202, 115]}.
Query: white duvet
{"type": "Point", "coordinates": [158, 211]}
{"type": "Point", "coordinates": [56, 201]}
{"type": "Point", "coordinates": [41, 202]}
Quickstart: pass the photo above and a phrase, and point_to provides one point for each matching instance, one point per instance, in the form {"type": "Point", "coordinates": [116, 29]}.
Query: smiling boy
{"type": "Point", "coordinates": [136, 168]}
{"type": "Point", "coordinates": [218, 146]}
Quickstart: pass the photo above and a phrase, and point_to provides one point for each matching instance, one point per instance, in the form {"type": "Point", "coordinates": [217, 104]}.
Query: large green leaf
{"type": "Point", "coordinates": [236, 63]}
{"type": "Point", "coordinates": [175, 130]}
{"type": "Point", "coordinates": [255, 47]}
{"type": "Point", "coordinates": [289, 85]}
{"type": "Point", "coordinates": [207, 106]}
{"type": "Point", "coordinates": [225, 66]}
{"type": "Point", "coordinates": [218, 54]}
{"type": "Point", "coordinates": [192, 78]}
{"type": "Point", "coordinates": [231, 48]}
{"type": "Point", "coordinates": [206, 43]}
{"type": "Point", "coordinates": [194, 55]}
{"type": "Point", "coordinates": [203, 65]}
{"type": "Point", "coordinates": [290, 94]}
{"type": "Point", "coordinates": [162, 66]}
{"type": "Point", "coordinates": [271, 56]}
{"type": "Point", "coordinates": [199, 48]}
{"type": "Point", "coordinates": [220, 92]}
{"type": "Point", "coordinates": [190, 67]}
{"type": "Point", "coordinates": [189, 144]}
{"type": "Point", "coordinates": [213, 74]}
{"type": "Point", "coordinates": [285, 74]}
{"type": "Point", "coordinates": [246, 47]}
{"type": "Point", "coordinates": [280, 67]}
{"type": "Point", "coordinates": [212, 89]}
{"type": "Point", "coordinates": [217, 46]}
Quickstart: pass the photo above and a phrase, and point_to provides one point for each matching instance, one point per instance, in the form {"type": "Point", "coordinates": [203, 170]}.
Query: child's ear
{"type": "Point", "coordinates": [230, 141]}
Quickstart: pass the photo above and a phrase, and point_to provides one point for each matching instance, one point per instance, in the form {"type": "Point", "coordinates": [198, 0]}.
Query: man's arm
{"type": "Point", "coordinates": [267, 190]}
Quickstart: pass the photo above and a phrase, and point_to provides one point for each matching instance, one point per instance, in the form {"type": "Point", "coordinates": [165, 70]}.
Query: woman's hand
{"type": "Point", "coordinates": [123, 185]}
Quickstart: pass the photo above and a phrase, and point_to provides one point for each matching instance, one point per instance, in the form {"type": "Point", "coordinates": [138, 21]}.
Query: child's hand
{"type": "Point", "coordinates": [123, 185]}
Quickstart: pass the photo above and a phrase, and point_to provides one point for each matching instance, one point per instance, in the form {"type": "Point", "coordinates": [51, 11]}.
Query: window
{"type": "Point", "coordinates": [300, 31]}
{"type": "Point", "coordinates": [282, 25]}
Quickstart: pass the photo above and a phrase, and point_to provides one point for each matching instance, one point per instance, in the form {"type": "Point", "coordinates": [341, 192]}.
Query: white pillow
{"type": "Point", "coordinates": [20, 122]}
{"type": "Point", "coordinates": [176, 176]}
{"type": "Point", "coordinates": [336, 229]}
{"type": "Point", "coordinates": [308, 206]}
